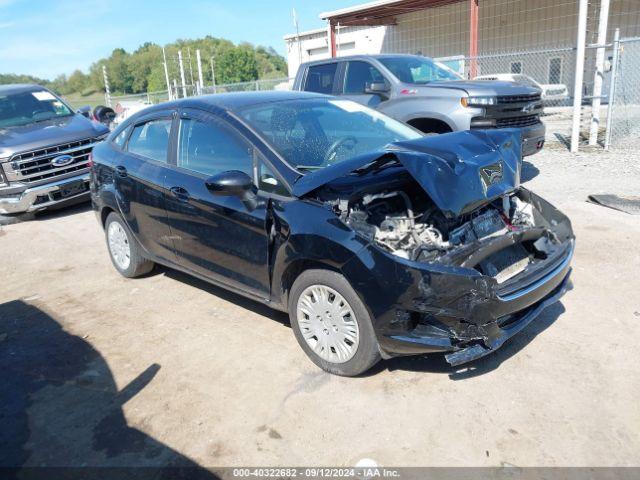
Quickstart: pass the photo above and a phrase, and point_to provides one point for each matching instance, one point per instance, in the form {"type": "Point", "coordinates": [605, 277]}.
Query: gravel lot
{"type": "Point", "coordinates": [96, 369]}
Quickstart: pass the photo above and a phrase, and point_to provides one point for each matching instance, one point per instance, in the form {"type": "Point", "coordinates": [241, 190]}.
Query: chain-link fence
{"type": "Point", "coordinates": [625, 105]}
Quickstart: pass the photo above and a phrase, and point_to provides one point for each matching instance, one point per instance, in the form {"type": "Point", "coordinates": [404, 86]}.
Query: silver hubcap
{"type": "Point", "coordinates": [119, 245]}
{"type": "Point", "coordinates": [328, 324]}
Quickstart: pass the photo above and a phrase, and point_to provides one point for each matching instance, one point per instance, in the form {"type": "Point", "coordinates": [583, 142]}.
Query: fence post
{"type": "Point", "coordinates": [184, 86]}
{"type": "Point", "coordinates": [599, 75]}
{"type": "Point", "coordinates": [612, 88]}
{"type": "Point", "coordinates": [577, 88]}
{"type": "Point", "coordinates": [107, 93]}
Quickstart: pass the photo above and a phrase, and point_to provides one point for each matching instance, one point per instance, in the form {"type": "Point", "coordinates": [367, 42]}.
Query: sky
{"type": "Point", "coordinates": [45, 38]}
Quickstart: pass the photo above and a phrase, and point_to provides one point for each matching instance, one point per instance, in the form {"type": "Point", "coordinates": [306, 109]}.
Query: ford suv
{"type": "Point", "coordinates": [44, 149]}
{"type": "Point", "coordinates": [428, 95]}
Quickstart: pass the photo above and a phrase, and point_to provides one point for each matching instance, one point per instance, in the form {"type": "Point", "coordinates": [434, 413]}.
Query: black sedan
{"type": "Point", "coordinates": [376, 240]}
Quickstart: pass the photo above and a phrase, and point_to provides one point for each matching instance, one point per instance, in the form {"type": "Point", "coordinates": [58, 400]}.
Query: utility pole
{"type": "Point", "coordinates": [166, 74]}
{"type": "Point", "coordinates": [599, 75]}
{"type": "Point", "coordinates": [200, 80]}
{"type": "Point", "coordinates": [184, 86]}
{"type": "Point", "coordinates": [107, 93]}
{"type": "Point", "coordinates": [213, 75]}
{"type": "Point", "coordinates": [577, 88]}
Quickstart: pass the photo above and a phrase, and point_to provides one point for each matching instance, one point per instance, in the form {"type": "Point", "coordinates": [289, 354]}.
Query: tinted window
{"type": "Point", "coordinates": [320, 78]}
{"type": "Point", "coordinates": [151, 139]}
{"type": "Point", "coordinates": [121, 138]}
{"type": "Point", "coordinates": [211, 147]}
{"type": "Point", "coordinates": [359, 74]}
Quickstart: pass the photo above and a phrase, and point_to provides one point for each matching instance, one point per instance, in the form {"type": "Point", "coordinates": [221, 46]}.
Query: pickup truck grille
{"type": "Point", "coordinates": [506, 99]}
{"type": "Point", "coordinates": [517, 122]}
{"type": "Point", "coordinates": [36, 165]}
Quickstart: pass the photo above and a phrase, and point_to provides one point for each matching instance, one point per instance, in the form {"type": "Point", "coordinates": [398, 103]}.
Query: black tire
{"type": "Point", "coordinates": [138, 265]}
{"type": "Point", "coordinates": [367, 353]}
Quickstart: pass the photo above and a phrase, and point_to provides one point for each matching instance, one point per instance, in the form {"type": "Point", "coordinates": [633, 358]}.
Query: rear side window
{"type": "Point", "coordinates": [320, 78]}
{"type": "Point", "coordinates": [359, 74]}
{"type": "Point", "coordinates": [151, 139]}
{"type": "Point", "coordinates": [211, 147]}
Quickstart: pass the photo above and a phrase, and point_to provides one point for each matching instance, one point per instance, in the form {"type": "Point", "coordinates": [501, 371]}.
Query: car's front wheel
{"type": "Point", "coordinates": [126, 254]}
{"type": "Point", "coordinates": [331, 323]}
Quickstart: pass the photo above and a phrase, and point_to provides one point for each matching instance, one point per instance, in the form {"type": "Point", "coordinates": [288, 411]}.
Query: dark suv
{"type": "Point", "coordinates": [44, 149]}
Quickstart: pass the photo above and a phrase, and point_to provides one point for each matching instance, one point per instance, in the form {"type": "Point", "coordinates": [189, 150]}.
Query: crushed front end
{"type": "Point", "coordinates": [459, 258]}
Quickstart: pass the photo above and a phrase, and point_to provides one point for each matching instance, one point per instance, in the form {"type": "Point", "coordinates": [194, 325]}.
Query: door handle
{"type": "Point", "coordinates": [180, 193]}
{"type": "Point", "coordinates": [121, 171]}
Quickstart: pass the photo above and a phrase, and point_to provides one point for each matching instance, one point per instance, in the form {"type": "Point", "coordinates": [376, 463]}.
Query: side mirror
{"type": "Point", "coordinates": [85, 111]}
{"type": "Point", "coordinates": [233, 183]}
{"type": "Point", "coordinates": [377, 88]}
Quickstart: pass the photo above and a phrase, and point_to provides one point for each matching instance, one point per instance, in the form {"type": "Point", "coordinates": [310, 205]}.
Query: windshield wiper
{"type": "Point", "coordinates": [375, 165]}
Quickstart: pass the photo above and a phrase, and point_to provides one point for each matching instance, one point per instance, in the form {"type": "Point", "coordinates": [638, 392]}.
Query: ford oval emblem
{"type": "Point", "coordinates": [62, 160]}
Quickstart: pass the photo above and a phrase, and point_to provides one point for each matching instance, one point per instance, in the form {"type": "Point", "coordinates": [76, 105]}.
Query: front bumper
{"type": "Point", "coordinates": [43, 196]}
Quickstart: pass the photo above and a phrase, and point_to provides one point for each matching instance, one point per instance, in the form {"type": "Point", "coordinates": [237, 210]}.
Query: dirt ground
{"type": "Point", "coordinates": [96, 369]}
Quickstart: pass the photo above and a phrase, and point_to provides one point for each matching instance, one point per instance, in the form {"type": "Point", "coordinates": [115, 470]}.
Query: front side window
{"type": "Point", "coordinates": [320, 78]}
{"type": "Point", "coordinates": [359, 75]}
{"type": "Point", "coordinates": [30, 107]}
{"type": "Point", "coordinates": [151, 139]}
{"type": "Point", "coordinates": [268, 181]}
{"type": "Point", "coordinates": [326, 131]}
{"type": "Point", "coordinates": [418, 70]}
{"type": "Point", "coordinates": [211, 147]}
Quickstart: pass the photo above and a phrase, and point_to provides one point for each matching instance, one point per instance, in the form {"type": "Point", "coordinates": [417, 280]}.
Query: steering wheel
{"type": "Point", "coordinates": [333, 149]}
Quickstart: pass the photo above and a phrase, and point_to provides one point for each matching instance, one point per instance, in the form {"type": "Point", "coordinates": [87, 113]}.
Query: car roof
{"type": "Point", "coordinates": [13, 88]}
{"type": "Point", "coordinates": [233, 101]}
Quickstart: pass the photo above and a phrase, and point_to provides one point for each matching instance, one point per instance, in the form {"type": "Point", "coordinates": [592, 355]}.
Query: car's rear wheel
{"type": "Point", "coordinates": [126, 254]}
{"type": "Point", "coordinates": [331, 323]}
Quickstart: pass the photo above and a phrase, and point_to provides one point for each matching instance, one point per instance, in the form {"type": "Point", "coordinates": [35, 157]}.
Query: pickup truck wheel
{"type": "Point", "coordinates": [331, 323]}
{"type": "Point", "coordinates": [124, 250]}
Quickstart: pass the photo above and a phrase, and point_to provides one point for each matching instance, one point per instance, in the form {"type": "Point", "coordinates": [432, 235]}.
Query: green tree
{"type": "Point", "coordinates": [237, 64]}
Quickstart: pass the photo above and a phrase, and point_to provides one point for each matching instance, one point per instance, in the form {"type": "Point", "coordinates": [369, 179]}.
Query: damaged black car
{"type": "Point", "coordinates": [377, 240]}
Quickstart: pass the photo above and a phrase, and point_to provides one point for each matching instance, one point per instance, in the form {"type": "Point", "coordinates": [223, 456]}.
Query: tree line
{"type": "Point", "coordinates": [143, 71]}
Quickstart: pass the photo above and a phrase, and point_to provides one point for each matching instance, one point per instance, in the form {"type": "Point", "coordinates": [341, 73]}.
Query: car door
{"type": "Point", "coordinates": [140, 171]}
{"type": "Point", "coordinates": [357, 75]}
{"type": "Point", "coordinates": [217, 237]}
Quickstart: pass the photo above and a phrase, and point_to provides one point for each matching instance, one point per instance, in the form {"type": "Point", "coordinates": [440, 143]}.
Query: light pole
{"type": "Point", "coordinates": [213, 75]}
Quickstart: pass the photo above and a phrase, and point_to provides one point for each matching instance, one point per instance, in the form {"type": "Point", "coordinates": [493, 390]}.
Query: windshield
{"type": "Point", "coordinates": [29, 107]}
{"type": "Point", "coordinates": [313, 133]}
{"type": "Point", "coordinates": [417, 70]}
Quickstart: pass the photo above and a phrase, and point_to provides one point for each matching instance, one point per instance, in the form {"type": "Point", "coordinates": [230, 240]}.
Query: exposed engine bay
{"type": "Point", "coordinates": [410, 226]}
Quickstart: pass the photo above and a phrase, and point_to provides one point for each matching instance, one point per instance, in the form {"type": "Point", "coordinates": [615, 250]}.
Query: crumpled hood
{"type": "Point", "coordinates": [459, 171]}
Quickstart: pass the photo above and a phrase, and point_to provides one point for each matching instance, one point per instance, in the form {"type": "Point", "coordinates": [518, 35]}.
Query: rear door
{"type": "Point", "coordinates": [217, 237]}
{"type": "Point", "coordinates": [357, 75]}
{"type": "Point", "coordinates": [139, 179]}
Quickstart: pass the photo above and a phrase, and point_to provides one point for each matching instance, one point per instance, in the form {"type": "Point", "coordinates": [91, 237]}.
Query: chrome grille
{"type": "Point", "coordinates": [517, 122]}
{"type": "Point", "coordinates": [505, 99]}
{"type": "Point", "coordinates": [34, 166]}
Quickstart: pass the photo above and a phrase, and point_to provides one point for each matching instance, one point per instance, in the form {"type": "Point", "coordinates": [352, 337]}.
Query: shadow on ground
{"type": "Point", "coordinates": [73, 208]}
{"type": "Point", "coordinates": [60, 406]}
{"type": "Point", "coordinates": [434, 363]}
